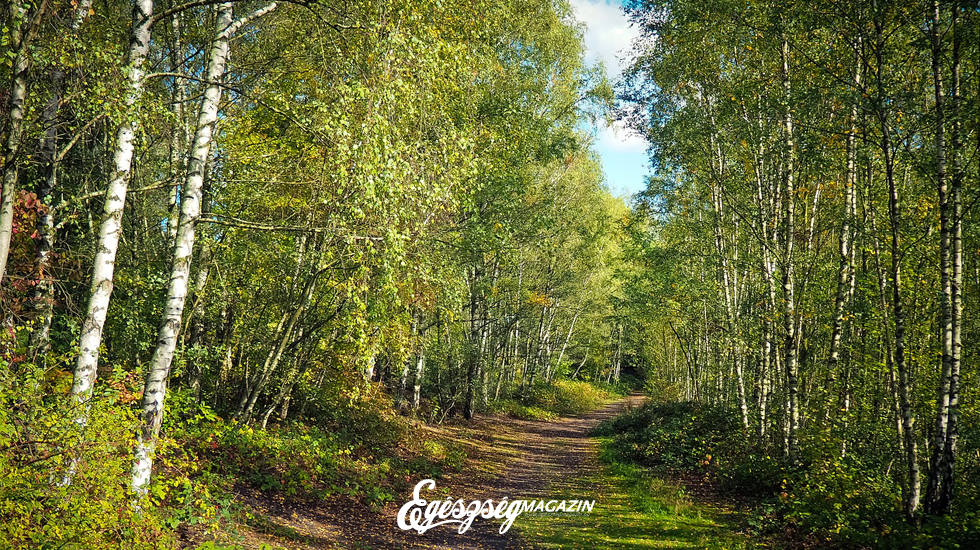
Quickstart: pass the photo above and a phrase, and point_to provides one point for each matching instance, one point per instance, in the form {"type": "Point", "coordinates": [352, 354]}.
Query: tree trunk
{"type": "Point", "coordinates": [724, 280]}
{"type": "Point", "coordinates": [886, 338]}
{"type": "Point", "coordinates": [292, 376]}
{"type": "Point", "coordinates": [894, 215]}
{"type": "Point", "coordinates": [952, 435]}
{"type": "Point", "coordinates": [44, 292]}
{"type": "Point", "coordinates": [275, 354]}
{"type": "Point", "coordinates": [179, 132]}
{"type": "Point", "coordinates": [939, 491]}
{"type": "Point", "coordinates": [618, 356]}
{"type": "Point", "coordinates": [110, 230]}
{"type": "Point", "coordinates": [789, 289]}
{"type": "Point", "coordinates": [196, 320]}
{"type": "Point", "coordinates": [767, 197]}
{"type": "Point", "coordinates": [765, 362]}
{"type": "Point", "coordinates": [568, 337]}
{"type": "Point", "coordinates": [934, 486]}
{"type": "Point", "coordinates": [473, 355]}
{"type": "Point", "coordinates": [845, 269]}
{"type": "Point", "coordinates": [406, 367]}
{"type": "Point", "coordinates": [22, 32]}
{"type": "Point", "coordinates": [155, 389]}
{"type": "Point", "coordinates": [417, 388]}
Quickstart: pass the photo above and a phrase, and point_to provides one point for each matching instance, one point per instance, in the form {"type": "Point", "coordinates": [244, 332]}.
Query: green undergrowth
{"type": "Point", "coordinates": [363, 452]}
{"type": "Point", "coordinates": [827, 501]}
{"type": "Point", "coordinates": [369, 456]}
{"type": "Point", "coordinates": [40, 440]}
{"type": "Point", "coordinates": [515, 409]}
{"type": "Point", "coordinates": [547, 401]}
{"type": "Point", "coordinates": [634, 509]}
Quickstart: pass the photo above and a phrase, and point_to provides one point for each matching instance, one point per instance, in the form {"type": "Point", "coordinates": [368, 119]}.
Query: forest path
{"type": "Point", "coordinates": [509, 458]}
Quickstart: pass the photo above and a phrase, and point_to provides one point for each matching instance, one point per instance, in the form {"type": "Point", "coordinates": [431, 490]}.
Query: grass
{"type": "Point", "coordinates": [515, 409]}
{"type": "Point", "coordinates": [634, 509]}
{"type": "Point", "coordinates": [548, 401]}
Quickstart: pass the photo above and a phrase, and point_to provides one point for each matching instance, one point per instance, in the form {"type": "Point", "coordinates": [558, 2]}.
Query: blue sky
{"type": "Point", "coordinates": [607, 37]}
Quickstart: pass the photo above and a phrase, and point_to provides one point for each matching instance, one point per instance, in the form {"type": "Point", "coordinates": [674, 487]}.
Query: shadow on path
{"type": "Point", "coordinates": [538, 460]}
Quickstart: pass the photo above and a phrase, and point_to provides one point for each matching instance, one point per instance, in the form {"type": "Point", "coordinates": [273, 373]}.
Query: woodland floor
{"type": "Point", "coordinates": [507, 458]}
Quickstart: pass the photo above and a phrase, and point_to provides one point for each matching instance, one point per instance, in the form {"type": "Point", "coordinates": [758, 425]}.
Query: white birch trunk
{"type": "Point", "coordinates": [419, 372]}
{"type": "Point", "coordinates": [568, 337]}
{"type": "Point", "coordinates": [110, 229]}
{"type": "Point", "coordinates": [155, 389]}
{"type": "Point", "coordinates": [952, 435]}
{"type": "Point", "coordinates": [179, 133]}
{"type": "Point", "coordinates": [911, 496]}
{"type": "Point", "coordinates": [18, 108]}
{"type": "Point", "coordinates": [403, 386]}
{"type": "Point", "coordinates": [44, 293]}
{"type": "Point", "coordinates": [934, 486]}
{"type": "Point", "coordinates": [845, 271]}
{"type": "Point", "coordinates": [789, 282]}
{"type": "Point", "coordinates": [940, 488]}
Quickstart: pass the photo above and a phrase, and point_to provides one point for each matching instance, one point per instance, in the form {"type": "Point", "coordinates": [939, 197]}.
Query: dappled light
{"type": "Point", "coordinates": [489, 274]}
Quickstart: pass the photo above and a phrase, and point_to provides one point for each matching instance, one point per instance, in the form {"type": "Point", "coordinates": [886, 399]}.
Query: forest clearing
{"type": "Point", "coordinates": [372, 274]}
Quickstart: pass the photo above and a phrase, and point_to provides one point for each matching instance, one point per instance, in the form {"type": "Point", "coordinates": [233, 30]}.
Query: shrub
{"type": "Point", "coordinates": [752, 473]}
{"type": "Point", "coordinates": [39, 439]}
{"type": "Point", "coordinates": [844, 498]}
{"type": "Point", "coordinates": [662, 391]}
{"type": "Point", "coordinates": [367, 455]}
{"type": "Point", "coordinates": [677, 435]}
{"type": "Point", "coordinates": [848, 502]}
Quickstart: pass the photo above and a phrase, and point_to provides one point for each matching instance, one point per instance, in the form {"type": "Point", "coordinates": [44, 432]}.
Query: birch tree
{"type": "Point", "coordinates": [155, 389]}
{"type": "Point", "coordinates": [110, 227]}
{"type": "Point", "coordinates": [22, 32]}
{"type": "Point", "coordinates": [51, 154]}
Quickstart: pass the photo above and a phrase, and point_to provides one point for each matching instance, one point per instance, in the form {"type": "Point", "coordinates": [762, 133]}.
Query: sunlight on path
{"type": "Point", "coordinates": [633, 510]}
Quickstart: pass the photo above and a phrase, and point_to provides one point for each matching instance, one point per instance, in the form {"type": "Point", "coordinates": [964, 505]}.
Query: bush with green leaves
{"type": "Point", "coordinates": [676, 435]}
{"type": "Point", "coordinates": [832, 499]}
{"type": "Point", "coordinates": [63, 485]}
{"type": "Point", "coordinates": [515, 409]}
{"type": "Point", "coordinates": [843, 497]}
{"type": "Point", "coordinates": [366, 454]}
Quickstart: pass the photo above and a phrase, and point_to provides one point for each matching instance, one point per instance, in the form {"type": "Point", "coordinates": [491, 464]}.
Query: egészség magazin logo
{"type": "Point", "coordinates": [421, 514]}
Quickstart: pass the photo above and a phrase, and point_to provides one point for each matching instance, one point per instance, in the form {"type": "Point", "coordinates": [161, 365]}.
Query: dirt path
{"type": "Point", "coordinates": [514, 459]}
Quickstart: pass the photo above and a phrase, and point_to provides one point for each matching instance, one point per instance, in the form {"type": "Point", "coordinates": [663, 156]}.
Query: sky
{"type": "Point", "coordinates": [608, 33]}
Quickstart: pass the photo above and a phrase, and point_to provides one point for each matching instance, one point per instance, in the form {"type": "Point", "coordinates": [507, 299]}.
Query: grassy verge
{"type": "Point", "coordinates": [634, 509]}
{"type": "Point", "coordinates": [548, 401]}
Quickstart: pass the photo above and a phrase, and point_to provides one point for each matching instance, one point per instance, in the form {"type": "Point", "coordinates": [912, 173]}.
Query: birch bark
{"type": "Point", "coordinates": [939, 491]}
{"type": "Point", "coordinates": [789, 288]}
{"type": "Point", "coordinates": [952, 436]}
{"type": "Point", "coordinates": [934, 486]}
{"type": "Point", "coordinates": [155, 388]}
{"type": "Point", "coordinates": [110, 228]}
{"type": "Point", "coordinates": [22, 33]}
{"type": "Point", "coordinates": [845, 270]}
{"type": "Point", "coordinates": [44, 293]}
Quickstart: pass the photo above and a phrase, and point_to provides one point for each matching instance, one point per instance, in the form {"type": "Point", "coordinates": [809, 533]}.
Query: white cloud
{"type": "Point", "coordinates": [618, 139]}
{"type": "Point", "coordinates": [608, 34]}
